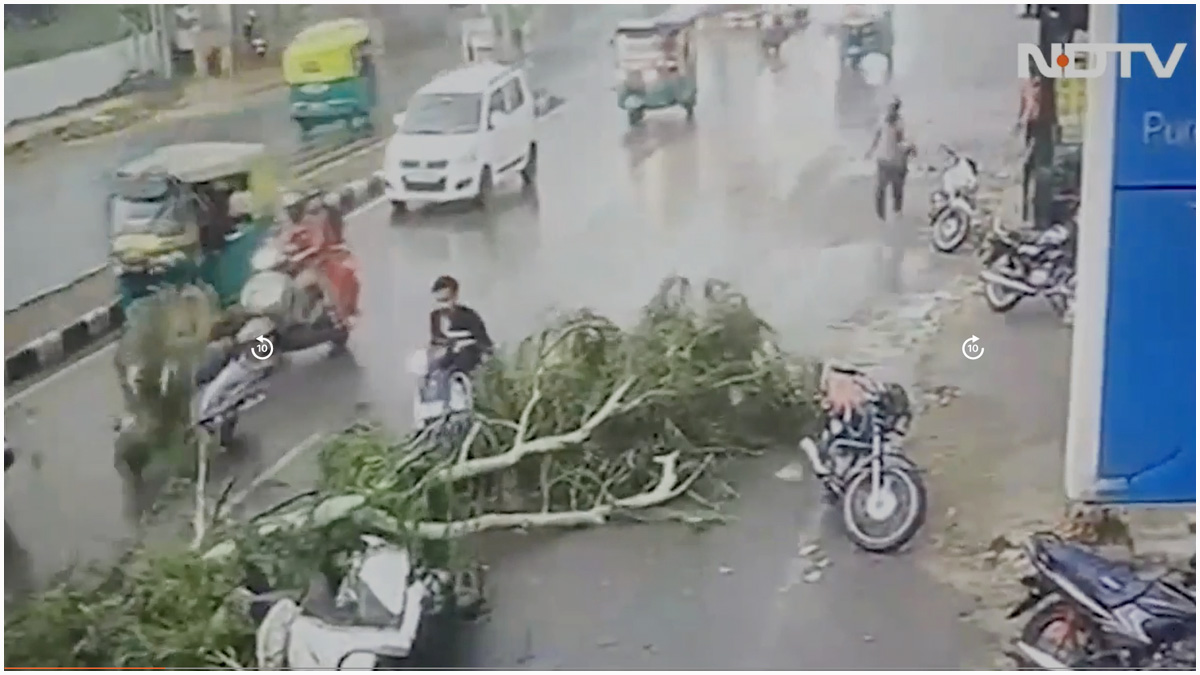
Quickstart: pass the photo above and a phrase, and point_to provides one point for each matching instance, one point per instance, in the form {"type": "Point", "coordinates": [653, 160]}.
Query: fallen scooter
{"type": "Point", "coordinates": [240, 384]}
{"type": "Point", "coordinates": [879, 490]}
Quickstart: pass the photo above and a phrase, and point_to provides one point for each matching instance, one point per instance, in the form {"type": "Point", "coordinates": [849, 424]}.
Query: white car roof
{"type": "Point", "coordinates": [471, 79]}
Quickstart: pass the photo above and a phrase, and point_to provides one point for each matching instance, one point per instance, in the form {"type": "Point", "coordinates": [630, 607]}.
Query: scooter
{"type": "Point", "coordinates": [386, 612]}
{"type": "Point", "coordinates": [240, 384]}
{"type": "Point", "coordinates": [442, 396]}
{"type": "Point", "coordinates": [952, 208]}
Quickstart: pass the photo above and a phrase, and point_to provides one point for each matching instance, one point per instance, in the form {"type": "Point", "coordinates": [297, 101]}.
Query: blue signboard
{"type": "Point", "coordinates": [1132, 432]}
{"type": "Point", "coordinates": [1156, 119]}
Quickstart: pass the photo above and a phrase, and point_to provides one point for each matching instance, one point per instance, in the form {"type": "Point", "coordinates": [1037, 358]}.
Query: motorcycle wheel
{"type": "Point", "coordinates": [1001, 298]}
{"type": "Point", "coordinates": [1055, 630]}
{"type": "Point", "coordinates": [1064, 305]}
{"type": "Point", "coordinates": [858, 504]}
{"type": "Point", "coordinates": [950, 231]}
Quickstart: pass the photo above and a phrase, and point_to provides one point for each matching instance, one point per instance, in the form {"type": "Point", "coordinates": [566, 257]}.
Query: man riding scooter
{"type": "Point", "coordinates": [447, 321]}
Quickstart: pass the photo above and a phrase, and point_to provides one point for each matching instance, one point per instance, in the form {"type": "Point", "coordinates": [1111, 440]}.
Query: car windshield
{"type": "Point", "coordinates": [443, 114]}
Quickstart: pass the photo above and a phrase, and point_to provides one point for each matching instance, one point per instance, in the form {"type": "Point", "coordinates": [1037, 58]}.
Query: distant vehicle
{"type": "Point", "coordinates": [461, 134]}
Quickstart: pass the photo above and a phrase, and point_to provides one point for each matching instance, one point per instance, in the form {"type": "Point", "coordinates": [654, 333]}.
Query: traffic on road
{"type": "Point", "coordinates": [745, 168]}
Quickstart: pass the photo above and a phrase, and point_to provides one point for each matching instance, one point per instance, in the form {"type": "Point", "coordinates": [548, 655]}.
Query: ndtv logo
{"type": "Point", "coordinates": [1067, 61]}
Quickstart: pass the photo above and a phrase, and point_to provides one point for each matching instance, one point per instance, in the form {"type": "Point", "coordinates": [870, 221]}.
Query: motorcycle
{"type": "Point", "coordinates": [443, 398]}
{"type": "Point", "coordinates": [858, 460]}
{"type": "Point", "coordinates": [1091, 612]}
{"type": "Point", "coordinates": [953, 212]}
{"type": "Point", "coordinates": [1022, 263]}
{"type": "Point", "coordinates": [253, 35]}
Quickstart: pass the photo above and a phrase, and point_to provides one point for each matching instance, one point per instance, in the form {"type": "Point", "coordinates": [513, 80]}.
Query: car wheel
{"type": "Point", "coordinates": [529, 173]}
{"type": "Point", "coordinates": [484, 196]}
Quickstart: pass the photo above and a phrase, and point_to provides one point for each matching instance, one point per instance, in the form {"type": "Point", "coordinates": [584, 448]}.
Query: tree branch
{"type": "Point", "coordinates": [667, 488]}
{"type": "Point", "coordinates": [547, 444]}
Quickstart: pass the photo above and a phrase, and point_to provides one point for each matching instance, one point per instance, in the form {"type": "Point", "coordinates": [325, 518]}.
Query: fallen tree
{"type": "Point", "coordinates": [577, 425]}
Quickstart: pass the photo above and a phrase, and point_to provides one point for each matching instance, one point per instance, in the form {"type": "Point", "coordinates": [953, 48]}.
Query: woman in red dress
{"type": "Point", "coordinates": [315, 243]}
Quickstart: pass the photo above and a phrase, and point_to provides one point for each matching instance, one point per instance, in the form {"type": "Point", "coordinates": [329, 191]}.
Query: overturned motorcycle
{"type": "Point", "coordinates": [1021, 264]}
{"type": "Point", "coordinates": [878, 489]}
{"type": "Point", "coordinates": [1088, 612]}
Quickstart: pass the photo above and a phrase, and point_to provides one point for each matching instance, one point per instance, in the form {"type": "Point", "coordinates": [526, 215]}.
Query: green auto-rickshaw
{"type": "Point", "coordinates": [190, 213]}
{"type": "Point", "coordinates": [865, 30]}
{"type": "Point", "coordinates": [331, 70]}
{"type": "Point", "coordinates": [657, 62]}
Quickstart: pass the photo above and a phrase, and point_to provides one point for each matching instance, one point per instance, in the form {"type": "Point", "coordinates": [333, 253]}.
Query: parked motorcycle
{"type": "Point", "coordinates": [1022, 263]}
{"type": "Point", "coordinates": [953, 212]}
{"type": "Point", "coordinates": [879, 490]}
{"type": "Point", "coordinates": [1088, 612]}
{"type": "Point", "coordinates": [443, 397]}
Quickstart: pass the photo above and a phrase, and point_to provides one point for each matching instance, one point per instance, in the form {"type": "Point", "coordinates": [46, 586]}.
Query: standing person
{"type": "Point", "coordinates": [891, 162]}
{"type": "Point", "coordinates": [1027, 119]}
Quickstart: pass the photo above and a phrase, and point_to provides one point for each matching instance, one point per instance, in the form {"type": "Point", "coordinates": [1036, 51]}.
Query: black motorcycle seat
{"type": "Point", "coordinates": [1108, 582]}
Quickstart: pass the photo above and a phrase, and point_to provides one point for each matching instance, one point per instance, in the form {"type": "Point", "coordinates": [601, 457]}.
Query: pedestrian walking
{"type": "Point", "coordinates": [891, 162]}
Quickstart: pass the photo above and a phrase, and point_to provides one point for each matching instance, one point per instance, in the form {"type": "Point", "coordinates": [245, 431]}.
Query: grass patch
{"type": "Point", "coordinates": [77, 27]}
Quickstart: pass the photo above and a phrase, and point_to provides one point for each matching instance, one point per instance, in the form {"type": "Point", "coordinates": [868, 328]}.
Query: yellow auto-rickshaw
{"type": "Point", "coordinates": [332, 72]}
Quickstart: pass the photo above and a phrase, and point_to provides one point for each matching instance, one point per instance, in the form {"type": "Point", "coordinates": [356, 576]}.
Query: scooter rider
{"type": "Point", "coordinates": [450, 316]}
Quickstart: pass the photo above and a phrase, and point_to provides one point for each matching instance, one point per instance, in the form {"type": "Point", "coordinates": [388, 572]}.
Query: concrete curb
{"type": "Point", "coordinates": [58, 346]}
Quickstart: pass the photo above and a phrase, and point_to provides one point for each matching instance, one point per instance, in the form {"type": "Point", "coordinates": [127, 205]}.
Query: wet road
{"type": "Point", "coordinates": [763, 191]}
{"type": "Point", "coordinates": [54, 202]}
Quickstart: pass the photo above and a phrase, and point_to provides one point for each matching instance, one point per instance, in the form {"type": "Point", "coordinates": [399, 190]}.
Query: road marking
{"type": "Point", "coordinates": [76, 365]}
{"type": "Point", "coordinates": [284, 460]}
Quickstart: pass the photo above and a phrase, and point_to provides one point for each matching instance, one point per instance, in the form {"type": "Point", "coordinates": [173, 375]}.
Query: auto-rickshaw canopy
{"type": "Point", "coordinates": [199, 162]}
{"type": "Point", "coordinates": [325, 52]}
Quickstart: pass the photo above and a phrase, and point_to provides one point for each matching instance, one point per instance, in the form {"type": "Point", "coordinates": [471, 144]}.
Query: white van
{"type": "Point", "coordinates": [461, 134]}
